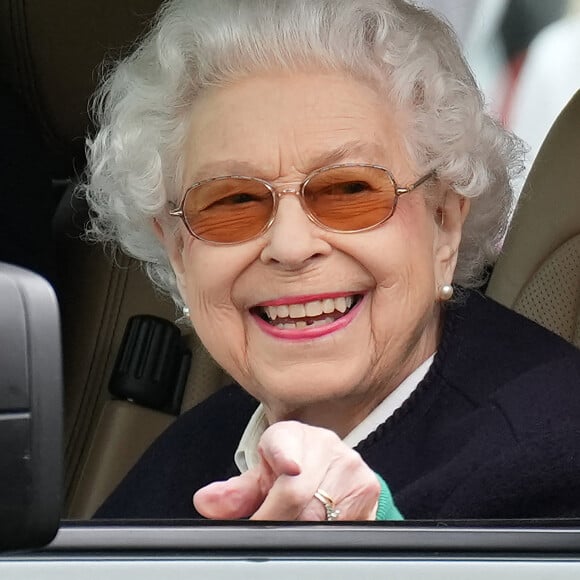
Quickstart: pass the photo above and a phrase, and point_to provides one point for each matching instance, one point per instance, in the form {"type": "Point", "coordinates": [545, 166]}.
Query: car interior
{"type": "Point", "coordinates": [51, 64]}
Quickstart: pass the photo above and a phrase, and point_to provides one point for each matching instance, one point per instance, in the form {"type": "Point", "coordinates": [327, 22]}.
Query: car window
{"type": "Point", "coordinates": [510, 46]}
{"type": "Point", "coordinates": [515, 48]}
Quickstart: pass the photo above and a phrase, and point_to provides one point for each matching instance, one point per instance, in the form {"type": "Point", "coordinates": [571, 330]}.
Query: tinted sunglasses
{"type": "Point", "coordinates": [345, 198]}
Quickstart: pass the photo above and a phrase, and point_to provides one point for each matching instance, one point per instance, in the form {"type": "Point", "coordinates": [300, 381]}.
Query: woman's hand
{"type": "Point", "coordinates": [296, 461]}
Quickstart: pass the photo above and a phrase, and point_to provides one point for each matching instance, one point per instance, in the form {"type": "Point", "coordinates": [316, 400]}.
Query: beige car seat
{"type": "Point", "coordinates": [538, 272]}
{"type": "Point", "coordinates": [50, 53]}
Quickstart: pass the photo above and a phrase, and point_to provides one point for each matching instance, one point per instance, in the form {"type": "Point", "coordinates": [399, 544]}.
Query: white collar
{"type": "Point", "coordinates": [246, 455]}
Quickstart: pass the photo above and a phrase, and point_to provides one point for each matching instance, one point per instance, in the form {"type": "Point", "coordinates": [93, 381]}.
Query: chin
{"type": "Point", "coordinates": [303, 386]}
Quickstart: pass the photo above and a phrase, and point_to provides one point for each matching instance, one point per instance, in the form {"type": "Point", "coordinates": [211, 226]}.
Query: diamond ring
{"type": "Point", "coordinates": [328, 503]}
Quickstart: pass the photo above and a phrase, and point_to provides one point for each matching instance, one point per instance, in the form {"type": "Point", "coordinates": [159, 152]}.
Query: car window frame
{"type": "Point", "coordinates": [402, 550]}
{"type": "Point", "coordinates": [543, 536]}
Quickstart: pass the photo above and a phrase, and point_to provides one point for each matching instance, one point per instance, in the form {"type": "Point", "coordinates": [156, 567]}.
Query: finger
{"type": "Point", "coordinates": [299, 456]}
{"type": "Point", "coordinates": [281, 447]}
{"type": "Point", "coordinates": [237, 497]}
{"type": "Point", "coordinates": [353, 487]}
{"type": "Point", "coordinates": [285, 500]}
{"type": "Point", "coordinates": [349, 484]}
{"type": "Point", "coordinates": [242, 495]}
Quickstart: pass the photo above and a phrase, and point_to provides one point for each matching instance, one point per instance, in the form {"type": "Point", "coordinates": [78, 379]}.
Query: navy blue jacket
{"type": "Point", "coordinates": [492, 431]}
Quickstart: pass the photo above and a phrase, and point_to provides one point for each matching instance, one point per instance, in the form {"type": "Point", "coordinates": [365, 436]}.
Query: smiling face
{"type": "Point", "coordinates": [320, 326]}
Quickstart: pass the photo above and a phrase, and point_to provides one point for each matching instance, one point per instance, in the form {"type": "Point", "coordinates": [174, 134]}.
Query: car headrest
{"type": "Point", "coordinates": [538, 272]}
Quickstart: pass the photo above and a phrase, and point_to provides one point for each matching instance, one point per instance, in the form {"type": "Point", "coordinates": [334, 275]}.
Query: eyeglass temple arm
{"type": "Point", "coordinates": [409, 188]}
{"type": "Point", "coordinates": [175, 211]}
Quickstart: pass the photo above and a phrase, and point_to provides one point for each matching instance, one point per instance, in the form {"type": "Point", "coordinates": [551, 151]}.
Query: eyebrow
{"type": "Point", "coordinates": [351, 149]}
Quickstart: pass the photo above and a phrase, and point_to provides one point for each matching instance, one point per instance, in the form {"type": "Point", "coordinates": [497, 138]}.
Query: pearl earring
{"type": "Point", "coordinates": [186, 311]}
{"type": "Point", "coordinates": [445, 292]}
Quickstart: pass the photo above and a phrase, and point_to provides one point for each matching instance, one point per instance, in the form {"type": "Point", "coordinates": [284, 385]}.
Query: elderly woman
{"type": "Point", "coordinates": [317, 184]}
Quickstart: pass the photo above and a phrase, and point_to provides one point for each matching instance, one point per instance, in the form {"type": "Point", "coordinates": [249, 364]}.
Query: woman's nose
{"type": "Point", "coordinates": [293, 240]}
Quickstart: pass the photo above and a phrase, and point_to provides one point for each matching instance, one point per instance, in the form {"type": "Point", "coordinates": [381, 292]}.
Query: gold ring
{"type": "Point", "coordinates": [328, 503]}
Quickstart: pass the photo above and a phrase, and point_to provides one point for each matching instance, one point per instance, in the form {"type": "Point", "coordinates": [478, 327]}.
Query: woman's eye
{"type": "Point", "coordinates": [351, 187]}
{"type": "Point", "coordinates": [242, 198]}
{"type": "Point", "coordinates": [238, 198]}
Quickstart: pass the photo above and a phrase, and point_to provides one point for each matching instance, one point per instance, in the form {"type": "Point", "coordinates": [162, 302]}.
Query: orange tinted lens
{"type": "Point", "coordinates": [351, 198]}
{"type": "Point", "coordinates": [228, 210]}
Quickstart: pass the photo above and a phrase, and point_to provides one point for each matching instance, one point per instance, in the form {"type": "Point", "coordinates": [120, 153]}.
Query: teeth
{"type": "Point", "coordinates": [279, 311]}
{"type": "Point", "coordinates": [310, 309]}
{"type": "Point", "coordinates": [322, 321]}
{"type": "Point", "coordinates": [296, 311]}
{"type": "Point", "coordinates": [313, 308]}
{"type": "Point", "coordinates": [303, 324]}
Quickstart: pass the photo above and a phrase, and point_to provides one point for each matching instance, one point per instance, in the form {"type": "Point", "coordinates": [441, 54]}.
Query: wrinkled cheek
{"type": "Point", "coordinates": [397, 312]}
{"type": "Point", "coordinates": [220, 329]}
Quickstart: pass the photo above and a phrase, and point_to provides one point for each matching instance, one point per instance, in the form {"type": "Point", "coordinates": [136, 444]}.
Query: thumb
{"type": "Point", "coordinates": [237, 497]}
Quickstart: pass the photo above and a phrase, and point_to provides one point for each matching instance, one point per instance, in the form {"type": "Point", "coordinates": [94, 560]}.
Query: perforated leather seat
{"type": "Point", "coordinates": [538, 272]}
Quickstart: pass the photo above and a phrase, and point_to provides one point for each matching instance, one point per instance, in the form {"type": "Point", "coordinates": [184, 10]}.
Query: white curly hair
{"type": "Point", "coordinates": [134, 160]}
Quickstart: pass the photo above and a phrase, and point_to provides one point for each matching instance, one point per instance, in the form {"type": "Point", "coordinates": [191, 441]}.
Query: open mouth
{"type": "Point", "coordinates": [308, 314]}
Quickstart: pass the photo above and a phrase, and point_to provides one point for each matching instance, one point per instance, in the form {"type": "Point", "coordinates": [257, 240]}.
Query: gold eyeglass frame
{"type": "Point", "coordinates": [277, 193]}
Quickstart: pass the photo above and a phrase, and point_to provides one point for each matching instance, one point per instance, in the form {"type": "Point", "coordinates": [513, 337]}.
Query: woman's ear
{"type": "Point", "coordinates": [450, 215]}
{"type": "Point", "coordinates": [172, 241]}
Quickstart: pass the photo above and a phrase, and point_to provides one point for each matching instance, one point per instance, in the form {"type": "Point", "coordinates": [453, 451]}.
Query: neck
{"type": "Point", "coordinates": [342, 415]}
